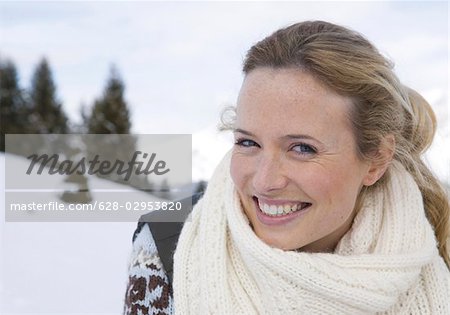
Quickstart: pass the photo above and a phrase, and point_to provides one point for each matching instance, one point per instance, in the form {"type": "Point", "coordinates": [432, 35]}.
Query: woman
{"type": "Point", "coordinates": [324, 205]}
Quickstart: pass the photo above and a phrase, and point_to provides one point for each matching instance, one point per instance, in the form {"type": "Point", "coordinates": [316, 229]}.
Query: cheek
{"type": "Point", "coordinates": [237, 172]}
{"type": "Point", "coordinates": [316, 182]}
{"type": "Point", "coordinates": [241, 175]}
{"type": "Point", "coordinates": [342, 192]}
{"type": "Point", "coordinates": [333, 189]}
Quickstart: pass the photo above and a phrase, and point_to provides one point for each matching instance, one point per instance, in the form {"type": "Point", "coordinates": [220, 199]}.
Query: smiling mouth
{"type": "Point", "coordinates": [280, 209]}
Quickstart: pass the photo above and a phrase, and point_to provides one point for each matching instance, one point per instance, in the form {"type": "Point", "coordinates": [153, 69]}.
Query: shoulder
{"type": "Point", "coordinates": [165, 229]}
{"type": "Point", "coordinates": [149, 288]}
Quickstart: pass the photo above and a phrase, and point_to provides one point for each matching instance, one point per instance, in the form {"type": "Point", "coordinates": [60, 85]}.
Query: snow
{"type": "Point", "coordinates": [208, 148]}
{"type": "Point", "coordinates": [63, 268]}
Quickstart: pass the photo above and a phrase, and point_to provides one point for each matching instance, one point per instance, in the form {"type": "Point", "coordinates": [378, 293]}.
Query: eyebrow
{"type": "Point", "coordinates": [294, 136]}
{"type": "Point", "coordinates": [248, 133]}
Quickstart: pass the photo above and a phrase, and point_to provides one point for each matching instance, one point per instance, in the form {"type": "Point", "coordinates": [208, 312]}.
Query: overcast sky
{"type": "Point", "coordinates": [181, 61]}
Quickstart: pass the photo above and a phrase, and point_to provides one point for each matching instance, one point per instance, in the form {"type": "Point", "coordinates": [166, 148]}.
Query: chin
{"type": "Point", "coordinates": [278, 241]}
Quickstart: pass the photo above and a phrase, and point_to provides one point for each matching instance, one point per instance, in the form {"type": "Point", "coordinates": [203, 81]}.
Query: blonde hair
{"type": "Point", "coordinates": [349, 64]}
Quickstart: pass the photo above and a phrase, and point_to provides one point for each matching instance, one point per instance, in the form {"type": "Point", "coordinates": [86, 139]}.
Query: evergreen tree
{"type": "Point", "coordinates": [110, 114]}
{"type": "Point", "coordinates": [47, 113]}
{"type": "Point", "coordinates": [13, 110]}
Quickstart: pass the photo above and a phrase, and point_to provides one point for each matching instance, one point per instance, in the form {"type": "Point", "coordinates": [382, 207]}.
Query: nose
{"type": "Point", "coordinates": [269, 175]}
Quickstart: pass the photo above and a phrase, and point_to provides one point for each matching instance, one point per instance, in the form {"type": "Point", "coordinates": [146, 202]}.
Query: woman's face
{"type": "Point", "coordinates": [294, 163]}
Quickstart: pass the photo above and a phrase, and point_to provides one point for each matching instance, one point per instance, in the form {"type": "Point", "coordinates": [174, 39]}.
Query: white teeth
{"type": "Point", "coordinates": [280, 210]}
{"type": "Point", "coordinates": [274, 210]}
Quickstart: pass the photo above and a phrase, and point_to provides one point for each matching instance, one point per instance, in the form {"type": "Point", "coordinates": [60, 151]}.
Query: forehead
{"type": "Point", "coordinates": [290, 100]}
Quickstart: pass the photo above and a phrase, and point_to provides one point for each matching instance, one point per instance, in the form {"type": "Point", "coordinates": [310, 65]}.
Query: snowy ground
{"type": "Point", "coordinates": [62, 268]}
{"type": "Point", "coordinates": [77, 268]}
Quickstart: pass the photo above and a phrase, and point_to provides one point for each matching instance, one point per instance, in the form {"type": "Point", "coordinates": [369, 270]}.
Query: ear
{"type": "Point", "coordinates": [380, 161]}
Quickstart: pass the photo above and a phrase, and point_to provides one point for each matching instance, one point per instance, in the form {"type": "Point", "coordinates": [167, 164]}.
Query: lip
{"type": "Point", "coordinates": [277, 220]}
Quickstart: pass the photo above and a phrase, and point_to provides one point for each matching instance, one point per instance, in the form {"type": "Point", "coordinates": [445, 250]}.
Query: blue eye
{"type": "Point", "coordinates": [245, 143]}
{"type": "Point", "coordinates": [303, 148]}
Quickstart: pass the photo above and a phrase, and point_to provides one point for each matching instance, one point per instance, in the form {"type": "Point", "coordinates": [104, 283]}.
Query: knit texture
{"type": "Point", "coordinates": [387, 263]}
{"type": "Point", "coordinates": [148, 289]}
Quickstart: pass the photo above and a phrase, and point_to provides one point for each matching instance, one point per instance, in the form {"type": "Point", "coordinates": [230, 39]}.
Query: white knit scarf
{"type": "Point", "coordinates": [387, 263]}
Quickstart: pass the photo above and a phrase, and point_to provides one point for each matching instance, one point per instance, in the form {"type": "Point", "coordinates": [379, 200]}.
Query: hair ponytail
{"type": "Point", "coordinates": [422, 123]}
{"type": "Point", "coordinates": [420, 127]}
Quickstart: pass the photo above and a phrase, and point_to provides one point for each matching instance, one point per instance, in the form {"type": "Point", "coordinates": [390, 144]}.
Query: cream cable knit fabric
{"type": "Point", "coordinates": [387, 263]}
